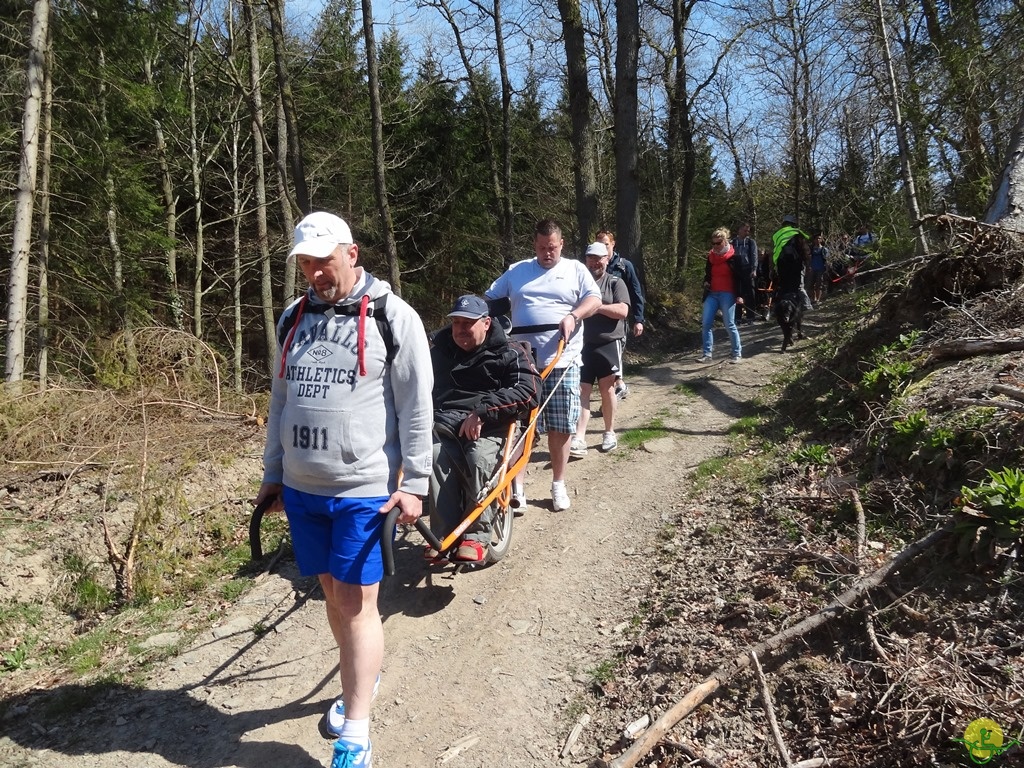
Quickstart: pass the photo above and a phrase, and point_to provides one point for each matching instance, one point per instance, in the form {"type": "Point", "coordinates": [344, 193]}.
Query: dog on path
{"type": "Point", "coordinates": [789, 312]}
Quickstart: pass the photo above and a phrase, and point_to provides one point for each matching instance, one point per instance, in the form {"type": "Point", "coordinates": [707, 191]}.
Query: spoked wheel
{"type": "Point", "coordinates": [501, 534]}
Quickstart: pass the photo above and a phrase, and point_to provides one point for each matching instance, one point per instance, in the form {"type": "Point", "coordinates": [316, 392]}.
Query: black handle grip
{"type": "Point", "coordinates": [255, 546]}
{"type": "Point", "coordinates": [387, 538]}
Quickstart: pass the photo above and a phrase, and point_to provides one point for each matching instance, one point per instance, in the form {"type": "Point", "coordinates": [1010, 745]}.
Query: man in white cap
{"type": "Point", "coordinates": [349, 411]}
{"type": "Point", "coordinates": [603, 336]}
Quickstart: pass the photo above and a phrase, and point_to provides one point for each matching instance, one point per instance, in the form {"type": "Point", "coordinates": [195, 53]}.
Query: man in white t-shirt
{"type": "Point", "coordinates": [550, 297]}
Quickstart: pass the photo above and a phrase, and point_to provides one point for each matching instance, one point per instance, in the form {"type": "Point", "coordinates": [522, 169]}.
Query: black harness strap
{"type": "Point", "coordinates": [535, 328]}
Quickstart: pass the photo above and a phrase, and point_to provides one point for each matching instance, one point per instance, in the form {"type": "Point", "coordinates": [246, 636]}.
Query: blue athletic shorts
{"type": "Point", "coordinates": [335, 535]}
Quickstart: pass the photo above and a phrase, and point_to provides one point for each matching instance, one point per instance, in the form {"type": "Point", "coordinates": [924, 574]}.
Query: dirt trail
{"type": "Point", "coordinates": [480, 667]}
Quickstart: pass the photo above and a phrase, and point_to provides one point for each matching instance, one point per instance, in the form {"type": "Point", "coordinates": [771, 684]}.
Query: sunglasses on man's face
{"type": "Point", "coordinates": [716, 242]}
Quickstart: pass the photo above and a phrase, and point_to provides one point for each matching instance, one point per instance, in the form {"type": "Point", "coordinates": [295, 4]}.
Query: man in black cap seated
{"type": "Point", "coordinates": [482, 383]}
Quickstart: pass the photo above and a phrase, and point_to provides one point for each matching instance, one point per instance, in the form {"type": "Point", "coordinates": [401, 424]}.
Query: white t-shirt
{"type": "Point", "coordinates": [544, 297]}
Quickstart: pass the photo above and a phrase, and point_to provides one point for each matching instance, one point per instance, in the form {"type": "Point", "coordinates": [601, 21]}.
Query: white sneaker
{"type": "Point", "coordinates": [704, 359]}
{"type": "Point", "coordinates": [622, 390]}
{"type": "Point", "coordinates": [559, 497]}
{"type": "Point", "coordinates": [578, 448]}
{"type": "Point", "coordinates": [610, 442]}
{"type": "Point", "coordinates": [336, 714]}
{"type": "Point", "coordinates": [518, 502]}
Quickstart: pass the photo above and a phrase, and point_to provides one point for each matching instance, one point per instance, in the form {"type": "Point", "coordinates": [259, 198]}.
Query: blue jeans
{"type": "Point", "coordinates": [726, 302]}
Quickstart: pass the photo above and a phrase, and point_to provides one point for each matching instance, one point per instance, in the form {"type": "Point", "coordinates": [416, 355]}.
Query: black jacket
{"type": "Point", "coordinates": [496, 381]}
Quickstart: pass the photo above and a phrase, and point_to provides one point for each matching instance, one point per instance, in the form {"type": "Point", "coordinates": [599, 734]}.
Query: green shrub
{"type": "Point", "coordinates": [990, 514]}
{"type": "Point", "coordinates": [891, 372]}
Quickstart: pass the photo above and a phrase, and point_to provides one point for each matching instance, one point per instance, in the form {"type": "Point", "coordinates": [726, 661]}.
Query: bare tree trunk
{"type": "Point", "coordinates": [682, 159]}
{"type": "Point", "coordinates": [113, 236]}
{"type": "Point", "coordinates": [507, 210]}
{"type": "Point", "coordinates": [256, 112]}
{"type": "Point", "coordinates": [377, 131]}
{"type": "Point", "coordinates": [196, 164]}
{"type": "Point", "coordinates": [287, 220]}
{"type": "Point", "coordinates": [17, 306]}
{"type": "Point", "coordinates": [236, 260]}
{"type": "Point", "coordinates": [794, 110]}
{"type": "Point", "coordinates": [584, 172]}
{"type": "Point", "coordinates": [43, 256]}
{"type": "Point", "coordinates": [500, 183]}
{"type": "Point", "coordinates": [1006, 207]}
{"type": "Point", "coordinates": [291, 132]}
{"type": "Point", "coordinates": [909, 188]}
{"type": "Point", "coordinates": [627, 188]}
{"type": "Point", "coordinates": [170, 214]}
{"type": "Point", "coordinates": [237, 204]}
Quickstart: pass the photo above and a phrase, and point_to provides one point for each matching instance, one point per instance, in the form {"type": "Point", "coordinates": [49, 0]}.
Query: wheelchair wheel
{"type": "Point", "coordinates": [501, 534]}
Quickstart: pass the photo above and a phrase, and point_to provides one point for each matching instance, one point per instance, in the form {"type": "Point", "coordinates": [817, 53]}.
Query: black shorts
{"type": "Point", "coordinates": [601, 360]}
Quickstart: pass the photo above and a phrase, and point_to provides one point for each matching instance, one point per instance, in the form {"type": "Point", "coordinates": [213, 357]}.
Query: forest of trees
{"type": "Point", "coordinates": [159, 152]}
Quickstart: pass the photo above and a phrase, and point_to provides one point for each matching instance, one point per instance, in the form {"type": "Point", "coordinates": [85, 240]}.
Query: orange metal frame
{"type": "Point", "coordinates": [503, 490]}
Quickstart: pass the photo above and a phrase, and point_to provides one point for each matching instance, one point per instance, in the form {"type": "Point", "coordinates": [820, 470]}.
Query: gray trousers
{"type": "Point", "coordinates": [461, 469]}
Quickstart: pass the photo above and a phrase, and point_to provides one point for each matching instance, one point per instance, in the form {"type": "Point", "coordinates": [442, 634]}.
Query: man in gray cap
{"type": "Point", "coordinates": [482, 383]}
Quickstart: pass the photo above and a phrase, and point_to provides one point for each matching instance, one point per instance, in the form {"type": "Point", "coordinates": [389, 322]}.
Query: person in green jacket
{"type": "Point", "coordinates": [791, 238]}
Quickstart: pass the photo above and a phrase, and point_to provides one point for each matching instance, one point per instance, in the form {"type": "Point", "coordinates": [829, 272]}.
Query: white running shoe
{"type": "Point", "coordinates": [610, 442]}
{"type": "Point", "coordinates": [336, 714]}
{"type": "Point", "coordinates": [578, 448]}
{"type": "Point", "coordinates": [559, 497]}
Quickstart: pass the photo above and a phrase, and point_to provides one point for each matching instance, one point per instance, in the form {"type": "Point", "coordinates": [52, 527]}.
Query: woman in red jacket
{"type": "Point", "coordinates": [721, 285]}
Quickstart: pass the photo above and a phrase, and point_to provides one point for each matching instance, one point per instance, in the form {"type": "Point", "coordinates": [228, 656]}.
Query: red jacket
{"type": "Point", "coordinates": [720, 272]}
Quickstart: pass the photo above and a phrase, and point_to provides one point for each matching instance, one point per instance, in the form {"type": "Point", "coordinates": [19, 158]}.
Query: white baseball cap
{"type": "Point", "coordinates": [318, 234]}
{"type": "Point", "coordinates": [597, 249]}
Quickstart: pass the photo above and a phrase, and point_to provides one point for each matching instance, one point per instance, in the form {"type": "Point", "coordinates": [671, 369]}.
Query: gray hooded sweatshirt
{"type": "Point", "coordinates": [343, 423]}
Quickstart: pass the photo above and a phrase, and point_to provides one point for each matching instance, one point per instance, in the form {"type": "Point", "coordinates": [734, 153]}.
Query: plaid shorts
{"type": "Point", "coordinates": [563, 409]}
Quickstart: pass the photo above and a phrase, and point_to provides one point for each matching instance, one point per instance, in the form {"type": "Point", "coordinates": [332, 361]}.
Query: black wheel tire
{"type": "Point", "coordinates": [501, 534]}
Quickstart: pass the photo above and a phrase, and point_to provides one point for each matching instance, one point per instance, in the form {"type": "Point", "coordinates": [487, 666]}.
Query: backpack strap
{"type": "Point", "coordinates": [377, 310]}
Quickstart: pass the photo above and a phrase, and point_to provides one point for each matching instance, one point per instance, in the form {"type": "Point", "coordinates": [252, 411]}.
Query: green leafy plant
{"type": "Point", "coordinates": [938, 439]}
{"type": "Point", "coordinates": [604, 672]}
{"type": "Point", "coordinates": [87, 596]}
{"type": "Point", "coordinates": [1000, 502]}
{"type": "Point", "coordinates": [812, 454]}
{"type": "Point", "coordinates": [746, 425]}
{"type": "Point", "coordinates": [913, 425]}
{"type": "Point", "coordinates": [15, 659]}
{"type": "Point", "coordinates": [890, 372]}
{"type": "Point", "coordinates": [991, 513]}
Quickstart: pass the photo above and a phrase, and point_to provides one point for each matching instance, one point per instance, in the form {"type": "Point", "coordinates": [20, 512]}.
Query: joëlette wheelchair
{"type": "Point", "coordinates": [516, 451]}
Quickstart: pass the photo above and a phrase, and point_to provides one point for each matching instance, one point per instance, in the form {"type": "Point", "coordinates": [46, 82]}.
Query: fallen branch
{"type": "Point", "coordinates": [725, 673]}
{"type": "Point", "coordinates": [1006, 406]}
{"type": "Point", "coordinates": [780, 743]}
{"type": "Point", "coordinates": [1005, 389]}
{"type": "Point", "coordinates": [961, 348]}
